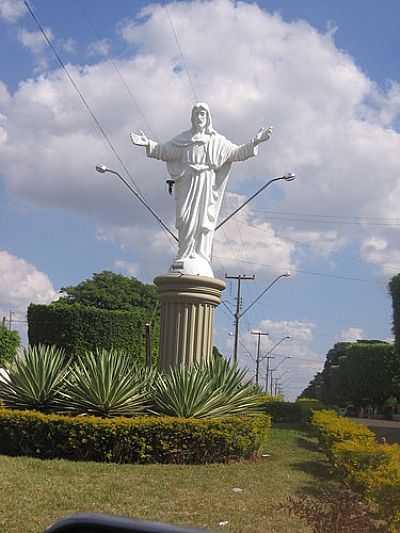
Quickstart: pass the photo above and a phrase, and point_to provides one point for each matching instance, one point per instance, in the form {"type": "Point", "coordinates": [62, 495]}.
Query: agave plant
{"type": "Point", "coordinates": [35, 379]}
{"type": "Point", "coordinates": [106, 383]}
{"type": "Point", "coordinates": [214, 390]}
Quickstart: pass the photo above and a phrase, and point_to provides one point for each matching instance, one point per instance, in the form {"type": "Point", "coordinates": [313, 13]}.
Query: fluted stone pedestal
{"type": "Point", "coordinates": [187, 318]}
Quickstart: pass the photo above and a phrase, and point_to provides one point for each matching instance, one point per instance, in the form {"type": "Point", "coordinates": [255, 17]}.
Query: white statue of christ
{"type": "Point", "coordinates": [199, 161]}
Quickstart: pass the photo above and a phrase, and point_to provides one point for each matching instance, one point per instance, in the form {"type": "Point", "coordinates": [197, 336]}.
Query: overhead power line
{"type": "Point", "coordinates": [75, 86]}
{"type": "Point", "coordinates": [84, 102]}
{"type": "Point", "coordinates": [184, 62]}
{"type": "Point", "coordinates": [122, 79]}
{"type": "Point", "coordinates": [323, 274]}
{"type": "Point", "coordinates": [344, 217]}
{"type": "Point", "coordinates": [286, 218]}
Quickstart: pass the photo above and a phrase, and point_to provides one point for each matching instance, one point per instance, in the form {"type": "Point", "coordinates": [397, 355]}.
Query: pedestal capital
{"type": "Point", "coordinates": [184, 288]}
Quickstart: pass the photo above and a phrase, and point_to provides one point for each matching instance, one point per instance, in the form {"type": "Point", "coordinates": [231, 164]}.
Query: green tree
{"type": "Point", "coordinates": [394, 289]}
{"type": "Point", "coordinates": [107, 290]}
{"type": "Point", "coordinates": [361, 373]}
{"type": "Point", "coordinates": [9, 342]}
{"type": "Point", "coordinates": [369, 373]}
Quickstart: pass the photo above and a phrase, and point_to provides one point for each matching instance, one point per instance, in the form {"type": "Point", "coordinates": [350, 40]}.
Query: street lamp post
{"type": "Point", "coordinates": [259, 334]}
{"type": "Point", "coordinates": [286, 177]}
{"type": "Point", "coordinates": [103, 168]}
{"type": "Point", "coordinates": [285, 275]}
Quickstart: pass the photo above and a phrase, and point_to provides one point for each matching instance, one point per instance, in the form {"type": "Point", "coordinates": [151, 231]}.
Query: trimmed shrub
{"type": "Point", "coordinates": [9, 342]}
{"type": "Point", "coordinates": [370, 468]}
{"type": "Point", "coordinates": [131, 440]}
{"type": "Point", "coordinates": [284, 412]}
{"type": "Point", "coordinates": [79, 329]}
{"type": "Point", "coordinates": [297, 412]}
{"type": "Point", "coordinates": [332, 429]}
{"type": "Point", "coordinates": [374, 470]}
{"type": "Point", "coordinates": [352, 457]}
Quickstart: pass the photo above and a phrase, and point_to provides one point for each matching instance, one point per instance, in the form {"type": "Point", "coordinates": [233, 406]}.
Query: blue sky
{"type": "Point", "coordinates": [325, 75]}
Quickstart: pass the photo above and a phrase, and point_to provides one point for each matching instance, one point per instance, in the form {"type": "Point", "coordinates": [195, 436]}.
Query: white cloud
{"type": "Point", "coordinates": [245, 242]}
{"type": "Point", "coordinates": [150, 259]}
{"type": "Point", "coordinates": [381, 252]}
{"type": "Point", "coordinates": [11, 10]}
{"type": "Point", "coordinates": [323, 243]}
{"type": "Point", "coordinates": [267, 71]}
{"type": "Point", "coordinates": [296, 329]}
{"type": "Point", "coordinates": [126, 266]}
{"type": "Point", "coordinates": [69, 45]}
{"type": "Point", "coordinates": [351, 334]}
{"type": "Point", "coordinates": [34, 41]}
{"type": "Point", "coordinates": [21, 284]}
{"type": "Point", "coordinates": [101, 48]}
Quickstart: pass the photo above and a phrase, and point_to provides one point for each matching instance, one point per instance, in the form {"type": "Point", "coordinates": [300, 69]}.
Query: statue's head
{"type": "Point", "coordinates": [201, 118]}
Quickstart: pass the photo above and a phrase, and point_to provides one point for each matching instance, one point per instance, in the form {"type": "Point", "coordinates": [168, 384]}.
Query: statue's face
{"type": "Point", "coordinates": [199, 118]}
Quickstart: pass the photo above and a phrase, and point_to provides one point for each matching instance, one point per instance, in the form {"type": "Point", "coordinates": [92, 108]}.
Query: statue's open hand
{"type": "Point", "coordinates": [263, 135]}
{"type": "Point", "coordinates": [139, 139]}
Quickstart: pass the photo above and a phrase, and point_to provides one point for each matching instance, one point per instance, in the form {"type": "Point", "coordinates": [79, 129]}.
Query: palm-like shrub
{"type": "Point", "coordinates": [107, 383]}
{"type": "Point", "coordinates": [35, 379]}
{"type": "Point", "coordinates": [210, 391]}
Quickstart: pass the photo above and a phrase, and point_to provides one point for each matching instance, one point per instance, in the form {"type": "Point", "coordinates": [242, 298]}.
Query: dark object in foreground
{"type": "Point", "coordinates": [102, 523]}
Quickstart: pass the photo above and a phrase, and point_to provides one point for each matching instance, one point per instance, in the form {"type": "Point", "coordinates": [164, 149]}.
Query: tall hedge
{"type": "Point", "coordinates": [9, 342]}
{"type": "Point", "coordinates": [77, 329]}
{"type": "Point", "coordinates": [394, 288]}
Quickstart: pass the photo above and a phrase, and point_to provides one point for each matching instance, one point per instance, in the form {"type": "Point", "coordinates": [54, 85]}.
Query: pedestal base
{"type": "Point", "coordinates": [187, 318]}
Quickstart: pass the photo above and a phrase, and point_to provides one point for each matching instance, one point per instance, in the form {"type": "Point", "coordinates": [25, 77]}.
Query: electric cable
{"type": "Point", "coordinates": [86, 105]}
{"type": "Point", "coordinates": [185, 66]}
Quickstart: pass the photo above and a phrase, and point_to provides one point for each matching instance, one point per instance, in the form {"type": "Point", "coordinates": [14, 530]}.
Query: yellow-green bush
{"type": "Point", "coordinates": [368, 467]}
{"type": "Point", "coordinates": [332, 429]}
{"type": "Point", "coordinates": [374, 470]}
{"type": "Point", "coordinates": [131, 440]}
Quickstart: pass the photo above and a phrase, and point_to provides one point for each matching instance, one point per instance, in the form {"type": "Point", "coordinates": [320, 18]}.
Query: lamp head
{"type": "Point", "coordinates": [286, 274]}
{"type": "Point", "coordinates": [101, 168]}
{"type": "Point", "coordinates": [290, 176]}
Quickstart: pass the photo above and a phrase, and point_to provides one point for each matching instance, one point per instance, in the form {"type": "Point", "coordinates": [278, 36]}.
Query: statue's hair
{"type": "Point", "coordinates": [202, 105]}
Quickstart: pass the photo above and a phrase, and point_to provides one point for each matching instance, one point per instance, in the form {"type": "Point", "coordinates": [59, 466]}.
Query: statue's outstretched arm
{"type": "Point", "coordinates": [245, 151]}
{"type": "Point", "coordinates": [139, 139]}
{"type": "Point", "coordinates": [263, 135]}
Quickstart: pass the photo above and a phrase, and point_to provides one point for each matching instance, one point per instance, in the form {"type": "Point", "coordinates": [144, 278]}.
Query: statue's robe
{"type": "Point", "coordinates": [200, 165]}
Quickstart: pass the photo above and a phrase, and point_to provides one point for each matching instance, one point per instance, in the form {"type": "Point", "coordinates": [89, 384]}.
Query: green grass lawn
{"type": "Point", "coordinates": [34, 493]}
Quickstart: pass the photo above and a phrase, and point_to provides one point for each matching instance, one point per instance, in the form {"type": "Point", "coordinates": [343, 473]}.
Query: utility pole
{"type": "Point", "coordinates": [268, 358]}
{"type": "Point", "coordinates": [148, 344]}
{"type": "Point", "coordinates": [237, 315]}
{"type": "Point", "coordinates": [10, 320]}
{"type": "Point", "coordinates": [272, 381]}
{"type": "Point", "coordinates": [258, 333]}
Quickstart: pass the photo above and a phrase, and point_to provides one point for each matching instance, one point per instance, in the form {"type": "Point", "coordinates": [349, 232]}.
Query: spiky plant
{"type": "Point", "coordinates": [35, 379]}
{"type": "Point", "coordinates": [106, 383]}
{"type": "Point", "coordinates": [210, 391]}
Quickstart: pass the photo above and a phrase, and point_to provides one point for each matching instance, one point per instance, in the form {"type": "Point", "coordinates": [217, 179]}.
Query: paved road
{"type": "Point", "coordinates": [390, 429]}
